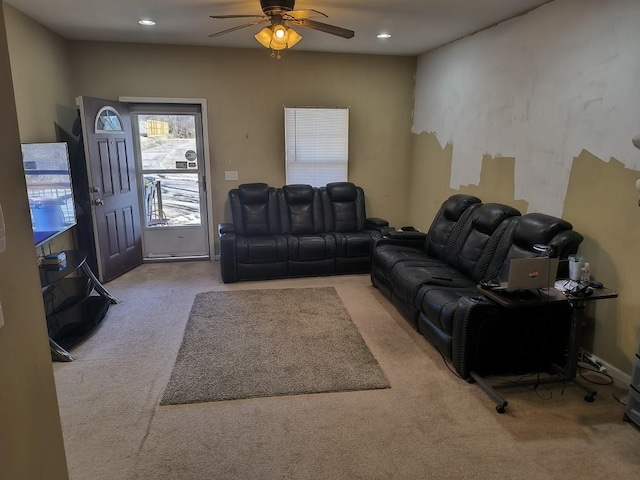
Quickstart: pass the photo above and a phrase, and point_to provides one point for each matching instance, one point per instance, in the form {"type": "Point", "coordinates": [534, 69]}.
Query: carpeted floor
{"type": "Point", "coordinates": [262, 343]}
{"type": "Point", "coordinates": [429, 424]}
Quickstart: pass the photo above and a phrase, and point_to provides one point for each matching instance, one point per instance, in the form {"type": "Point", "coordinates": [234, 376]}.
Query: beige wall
{"type": "Point", "coordinates": [41, 74]}
{"type": "Point", "coordinates": [246, 91]}
{"type": "Point", "coordinates": [31, 444]}
{"type": "Point", "coordinates": [519, 95]}
{"type": "Point", "coordinates": [42, 78]}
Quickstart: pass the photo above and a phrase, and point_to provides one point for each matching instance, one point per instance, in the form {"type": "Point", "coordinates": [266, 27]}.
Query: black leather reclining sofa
{"type": "Point", "coordinates": [296, 231]}
{"type": "Point", "coordinates": [432, 281]}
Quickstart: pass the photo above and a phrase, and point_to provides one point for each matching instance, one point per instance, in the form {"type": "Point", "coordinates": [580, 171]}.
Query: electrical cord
{"type": "Point", "coordinates": [606, 375]}
{"type": "Point", "coordinates": [619, 400]}
{"type": "Point", "coordinates": [446, 363]}
{"type": "Point", "coordinates": [582, 369]}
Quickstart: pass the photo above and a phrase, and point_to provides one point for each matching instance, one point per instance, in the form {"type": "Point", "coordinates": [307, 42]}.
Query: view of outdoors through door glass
{"type": "Point", "coordinates": [170, 170]}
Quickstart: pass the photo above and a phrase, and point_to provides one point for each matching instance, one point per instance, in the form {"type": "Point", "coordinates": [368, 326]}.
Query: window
{"type": "Point", "coordinates": [316, 145]}
{"type": "Point", "coordinates": [108, 121]}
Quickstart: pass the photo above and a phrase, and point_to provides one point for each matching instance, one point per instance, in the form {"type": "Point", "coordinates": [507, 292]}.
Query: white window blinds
{"type": "Point", "coordinates": [316, 145]}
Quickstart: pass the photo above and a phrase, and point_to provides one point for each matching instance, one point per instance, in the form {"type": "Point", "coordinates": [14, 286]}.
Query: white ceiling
{"type": "Point", "coordinates": [416, 25]}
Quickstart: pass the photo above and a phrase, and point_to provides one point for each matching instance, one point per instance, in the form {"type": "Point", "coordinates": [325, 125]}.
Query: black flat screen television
{"type": "Point", "coordinates": [49, 188]}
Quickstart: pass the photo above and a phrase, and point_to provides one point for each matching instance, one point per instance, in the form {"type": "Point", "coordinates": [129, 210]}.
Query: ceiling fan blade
{"type": "Point", "coordinates": [229, 30]}
{"type": "Point", "coordinates": [307, 13]}
{"type": "Point", "coordinates": [325, 27]}
{"type": "Point", "coordinates": [236, 16]}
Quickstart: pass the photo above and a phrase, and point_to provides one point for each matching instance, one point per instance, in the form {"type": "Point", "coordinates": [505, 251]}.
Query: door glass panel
{"type": "Point", "coordinates": [168, 147]}
{"type": "Point", "coordinates": [168, 142]}
{"type": "Point", "coordinates": [108, 120]}
{"type": "Point", "coordinates": [172, 199]}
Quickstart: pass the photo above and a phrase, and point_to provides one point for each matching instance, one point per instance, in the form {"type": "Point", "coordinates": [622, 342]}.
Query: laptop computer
{"type": "Point", "coordinates": [530, 274]}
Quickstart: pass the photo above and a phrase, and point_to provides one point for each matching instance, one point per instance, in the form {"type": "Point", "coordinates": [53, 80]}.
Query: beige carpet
{"type": "Point", "coordinates": [264, 343]}
{"type": "Point", "coordinates": [430, 424]}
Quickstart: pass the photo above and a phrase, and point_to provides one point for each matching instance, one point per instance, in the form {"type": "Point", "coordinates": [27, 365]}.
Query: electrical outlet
{"type": "Point", "coordinates": [231, 175]}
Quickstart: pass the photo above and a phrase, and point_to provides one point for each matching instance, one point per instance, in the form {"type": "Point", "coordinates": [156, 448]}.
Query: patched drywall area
{"type": "Point", "coordinates": [539, 88]}
{"type": "Point", "coordinates": [539, 113]}
{"type": "Point", "coordinates": [431, 171]}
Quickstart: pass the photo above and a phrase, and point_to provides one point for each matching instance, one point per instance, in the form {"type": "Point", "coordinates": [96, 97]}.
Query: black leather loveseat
{"type": "Point", "coordinates": [432, 281]}
{"type": "Point", "coordinates": [295, 231]}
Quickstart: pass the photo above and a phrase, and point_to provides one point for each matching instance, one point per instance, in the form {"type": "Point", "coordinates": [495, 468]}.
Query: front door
{"type": "Point", "coordinates": [108, 144]}
{"type": "Point", "coordinates": [171, 176]}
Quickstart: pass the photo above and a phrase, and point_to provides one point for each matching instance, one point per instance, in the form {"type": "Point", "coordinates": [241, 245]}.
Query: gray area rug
{"type": "Point", "coordinates": [260, 343]}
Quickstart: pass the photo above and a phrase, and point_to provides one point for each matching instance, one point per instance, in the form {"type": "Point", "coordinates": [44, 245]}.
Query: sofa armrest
{"type": "Point", "coordinates": [224, 228]}
{"type": "Point", "coordinates": [406, 236]}
{"type": "Point", "coordinates": [228, 256]}
{"type": "Point", "coordinates": [402, 242]}
{"type": "Point", "coordinates": [469, 316]}
{"type": "Point", "coordinates": [375, 223]}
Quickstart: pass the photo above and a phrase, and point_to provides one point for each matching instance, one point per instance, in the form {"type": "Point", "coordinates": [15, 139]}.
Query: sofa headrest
{"type": "Point", "coordinates": [455, 205]}
{"type": "Point", "coordinates": [540, 228]}
{"type": "Point", "coordinates": [342, 191]}
{"type": "Point", "coordinates": [490, 215]}
{"type": "Point", "coordinates": [298, 194]}
{"type": "Point", "coordinates": [253, 193]}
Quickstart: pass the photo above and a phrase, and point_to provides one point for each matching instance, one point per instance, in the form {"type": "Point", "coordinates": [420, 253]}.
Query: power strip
{"type": "Point", "coordinates": [595, 361]}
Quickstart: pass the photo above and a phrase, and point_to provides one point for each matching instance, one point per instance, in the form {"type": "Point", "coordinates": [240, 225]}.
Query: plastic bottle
{"type": "Point", "coordinates": [586, 273]}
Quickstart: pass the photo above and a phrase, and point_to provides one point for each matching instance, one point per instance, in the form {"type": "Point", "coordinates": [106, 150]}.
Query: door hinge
{"type": "Point", "coordinates": [204, 183]}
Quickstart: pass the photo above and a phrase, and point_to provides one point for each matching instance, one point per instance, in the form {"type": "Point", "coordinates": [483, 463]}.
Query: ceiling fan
{"type": "Point", "coordinates": [279, 35]}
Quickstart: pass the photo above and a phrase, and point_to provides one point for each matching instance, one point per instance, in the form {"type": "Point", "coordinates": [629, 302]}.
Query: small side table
{"type": "Point", "coordinates": [568, 372]}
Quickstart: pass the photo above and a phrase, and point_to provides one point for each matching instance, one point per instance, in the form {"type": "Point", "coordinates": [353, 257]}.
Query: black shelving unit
{"type": "Point", "coordinates": [75, 302]}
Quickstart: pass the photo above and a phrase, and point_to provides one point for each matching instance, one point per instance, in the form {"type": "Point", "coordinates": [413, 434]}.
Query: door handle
{"type": "Point", "coordinates": [95, 189]}
{"type": "Point", "coordinates": [98, 201]}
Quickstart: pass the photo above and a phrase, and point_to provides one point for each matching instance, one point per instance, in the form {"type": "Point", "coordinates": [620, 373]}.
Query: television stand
{"type": "Point", "coordinates": [75, 302]}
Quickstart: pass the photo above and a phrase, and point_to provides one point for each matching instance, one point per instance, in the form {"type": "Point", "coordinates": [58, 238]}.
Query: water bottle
{"type": "Point", "coordinates": [586, 273]}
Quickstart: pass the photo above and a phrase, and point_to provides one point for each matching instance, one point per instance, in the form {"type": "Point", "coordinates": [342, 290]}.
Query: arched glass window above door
{"type": "Point", "coordinates": [108, 120]}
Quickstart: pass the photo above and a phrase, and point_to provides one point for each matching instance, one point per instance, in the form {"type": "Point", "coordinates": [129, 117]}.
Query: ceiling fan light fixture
{"type": "Point", "coordinates": [294, 38]}
{"type": "Point", "coordinates": [278, 37]}
{"type": "Point", "coordinates": [280, 33]}
{"type": "Point", "coordinates": [281, 13]}
{"type": "Point", "coordinates": [264, 37]}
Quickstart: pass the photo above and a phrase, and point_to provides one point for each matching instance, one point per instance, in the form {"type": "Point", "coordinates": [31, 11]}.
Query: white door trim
{"type": "Point", "coordinates": [207, 157]}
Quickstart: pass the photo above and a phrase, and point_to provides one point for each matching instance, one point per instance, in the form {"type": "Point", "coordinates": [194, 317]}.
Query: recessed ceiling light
{"type": "Point", "coordinates": [384, 35]}
{"type": "Point", "coordinates": [146, 23]}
